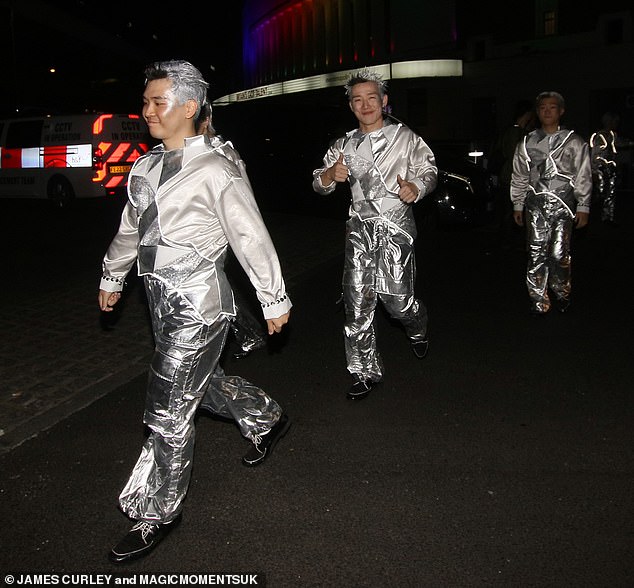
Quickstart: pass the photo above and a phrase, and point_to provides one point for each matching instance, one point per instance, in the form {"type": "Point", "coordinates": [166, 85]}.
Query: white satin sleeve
{"type": "Point", "coordinates": [251, 243]}
{"type": "Point", "coordinates": [121, 253]}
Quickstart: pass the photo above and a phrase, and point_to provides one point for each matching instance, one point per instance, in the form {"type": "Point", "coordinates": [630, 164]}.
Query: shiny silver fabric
{"type": "Point", "coordinates": [186, 206]}
{"type": "Point", "coordinates": [184, 375]}
{"type": "Point", "coordinates": [603, 159]}
{"type": "Point", "coordinates": [247, 331]}
{"type": "Point", "coordinates": [379, 252]}
{"type": "Point", "coordinates": [551, 181]}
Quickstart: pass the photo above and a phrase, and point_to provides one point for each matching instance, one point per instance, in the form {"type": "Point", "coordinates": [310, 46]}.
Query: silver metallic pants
{"type": "Point", "coordinates": [379, 265]}
{"type": "Point", "coordinates": [549, 230]}
{"type": "Point", "coordinates": [247, 330]}
{"type": "Point", "coordinates": [605, 186]}
{"type": "Point", "coordinates": [184, 375]}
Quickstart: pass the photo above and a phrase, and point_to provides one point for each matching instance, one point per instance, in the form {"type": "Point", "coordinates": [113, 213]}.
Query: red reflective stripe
{"type": "Point", "coordinates": [97, 126]}
{"type": "Point", "coordinates": [55, 156]}
{"type": "Point", "coordinates": [115, 181]}
{"type": "Point", "coordinates": [117, 155]}
{"type": "Point", "coordinates": [11, 158]}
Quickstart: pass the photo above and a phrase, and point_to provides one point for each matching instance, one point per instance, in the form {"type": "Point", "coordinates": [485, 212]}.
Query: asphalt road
{"type": "Point", "coordinates": [503, 458]}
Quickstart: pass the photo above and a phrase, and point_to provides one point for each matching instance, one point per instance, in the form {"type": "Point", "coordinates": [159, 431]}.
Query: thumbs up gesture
{"type": "Point", "coordinates": [408, 191]}
{"type": "Point", "coordinates": [338, 172]}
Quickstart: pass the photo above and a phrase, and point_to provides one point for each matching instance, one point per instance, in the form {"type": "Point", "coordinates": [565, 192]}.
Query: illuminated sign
{"type": "Point", "coordinates": [393, 71]}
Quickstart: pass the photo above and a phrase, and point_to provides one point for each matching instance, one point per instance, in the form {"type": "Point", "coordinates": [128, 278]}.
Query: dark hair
{"type": "Point", "coordinates": [522, 107]}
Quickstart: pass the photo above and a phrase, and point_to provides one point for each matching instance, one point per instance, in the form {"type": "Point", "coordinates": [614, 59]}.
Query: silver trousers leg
{"type": "Point", "coordinates": [247, 330]}
{"type": "Point", "coordinates": [609, 187]}
{"type": "Point", "coordinates": [376, 253]}
{"type": "Point", "coordinates": [185, 373]}
{"type": "Point", "coordinates": [362, 353]}
{"type": "Point", "coordinates": [549, 230]}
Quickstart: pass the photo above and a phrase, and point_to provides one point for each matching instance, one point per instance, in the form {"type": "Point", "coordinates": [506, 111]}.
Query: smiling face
{"type": "Point", "coordinates": [167, 120]}
{"type": "Point", "coordinates": [367, 105]}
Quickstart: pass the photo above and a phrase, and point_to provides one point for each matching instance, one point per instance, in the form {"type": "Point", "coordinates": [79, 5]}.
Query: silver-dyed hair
{"type": "Point", "coordinates": [550, 94]}
{"type": "Point", "coordinates": [187, 81]}
{"type": "Point", "coordinates": [361, 77]}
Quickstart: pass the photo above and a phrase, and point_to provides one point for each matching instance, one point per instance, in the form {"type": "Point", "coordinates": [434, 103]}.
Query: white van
{"type": "Point", "coordinates": [67, 157]}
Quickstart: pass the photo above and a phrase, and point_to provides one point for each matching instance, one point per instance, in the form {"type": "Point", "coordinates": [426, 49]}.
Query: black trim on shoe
{"type": "Point", "coordinates": [563, 304]}
{"type": "Point", "coordinates": [140, 540]}
{"type": "Point", "coordinates": [263, 445]}
{"type": "Point", "coordinates": [360, 388]}
{"type": "Point", "coordinates": [420, 348]}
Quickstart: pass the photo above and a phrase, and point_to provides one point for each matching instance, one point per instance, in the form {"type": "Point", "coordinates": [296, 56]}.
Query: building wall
{"type": "Point", "coordinates": [510, 51]}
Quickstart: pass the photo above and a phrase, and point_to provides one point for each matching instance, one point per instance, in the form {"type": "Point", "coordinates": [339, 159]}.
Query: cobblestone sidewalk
{"type": "Point", "coordinates": [57, 355]}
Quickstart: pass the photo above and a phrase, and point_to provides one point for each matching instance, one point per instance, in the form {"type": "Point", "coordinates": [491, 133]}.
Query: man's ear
{"type": "Point", "coordinates": [384, 100]}
{"type": "Point", "coordinates": [191, 106]}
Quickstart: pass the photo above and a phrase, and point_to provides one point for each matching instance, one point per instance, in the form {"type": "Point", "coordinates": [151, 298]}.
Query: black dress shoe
{"type": "Point", "coordinates": [360, 388]}
{"type": "Point", "coordinates": [140, 540]}
{"type": "Point", "coordinates": [244, 352]}
{"type": "Point", "coordinates": [264, 444]}
{"type": "Point", "coordinates": [536, 312]}
{"type": "Point", "coordinates": [420, 348]}
{"type": "Point", "coordinates": [563, 304]}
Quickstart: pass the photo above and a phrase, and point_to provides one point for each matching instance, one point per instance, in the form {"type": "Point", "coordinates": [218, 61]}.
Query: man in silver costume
{"type": "Point", "coordinates": [552, 184]}
{"type": "Point", "coordinates": [187, 204]}
{"type": "Point", "coordinates": [389, 168]}
{"type": "Point", "coordinates": [603, 160]}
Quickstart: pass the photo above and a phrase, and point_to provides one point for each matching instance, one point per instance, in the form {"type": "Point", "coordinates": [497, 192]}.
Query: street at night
{"type": "Point", "coordinates": [504, 457]}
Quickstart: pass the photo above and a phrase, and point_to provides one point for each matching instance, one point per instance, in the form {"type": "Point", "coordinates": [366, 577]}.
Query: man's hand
{"type": "Point", "coordinates": [108, 299]}
{"type": "Point", "coordinates": [581, 219]}
{"type": "Point", "coordinates": [275, 325]}
{"type": "Point", "coordinates": [518, 217]}
{"type": "Point", "coordinates": [408, 191]}
{"type": "Point", "coordinates": [338, 172]}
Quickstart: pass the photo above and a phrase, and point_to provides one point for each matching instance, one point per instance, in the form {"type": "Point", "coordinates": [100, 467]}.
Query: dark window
{"type": "Point", "coordinates": [550, 22]}
{"type": "Point", "coordinates": [24, 133]}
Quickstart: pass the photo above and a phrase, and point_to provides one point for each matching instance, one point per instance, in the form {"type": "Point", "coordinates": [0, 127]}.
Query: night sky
{"type": "Point", "coordinates": [99, 50]}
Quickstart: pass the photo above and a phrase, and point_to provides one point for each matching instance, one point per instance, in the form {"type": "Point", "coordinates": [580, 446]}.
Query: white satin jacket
{"type": "Point", "coordinates": [186, 206]}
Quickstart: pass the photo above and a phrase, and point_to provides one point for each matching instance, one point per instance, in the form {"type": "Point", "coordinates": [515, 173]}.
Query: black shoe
{"type": "Point", "coordinates": [563, 304]}
{"type": "Point", "coordinates": [420, 348]}
{"type": "Point", "coordinates": [264, 444]}
{"type": "Point", "coordinates": [360, 388]}
{"type": "Point", "coordinates": [244, 352]}
{"type": "Point", "coordinates": [537, 312]}
{"type": "Point", "coordinates": [140, 540]}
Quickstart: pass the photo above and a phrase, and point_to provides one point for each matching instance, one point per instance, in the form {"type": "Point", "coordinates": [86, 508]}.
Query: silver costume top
{"type": "Point", "coordinates": [374, 161]}
{"type": "Point", "coordinates": [603, 150]}
{"type": "Point", "coordinates": [556, 165]}
{"type": "Point", "coordinates": [185, 207]}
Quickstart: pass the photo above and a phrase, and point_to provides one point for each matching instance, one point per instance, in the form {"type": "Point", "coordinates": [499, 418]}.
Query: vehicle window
{"type": "Point", "coordinates": [24, 133]}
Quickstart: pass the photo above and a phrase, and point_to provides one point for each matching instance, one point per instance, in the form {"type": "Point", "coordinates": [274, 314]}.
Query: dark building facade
{"type": "Point", "coordinates": [507, 51]}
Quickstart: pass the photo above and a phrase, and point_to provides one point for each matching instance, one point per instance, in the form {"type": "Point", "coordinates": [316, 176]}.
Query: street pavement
{"type": "Point", "coordinates": [503, 458]}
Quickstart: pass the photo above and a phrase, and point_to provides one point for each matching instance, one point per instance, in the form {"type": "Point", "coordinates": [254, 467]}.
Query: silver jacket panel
{"type": "Point", "coordinates": [179, 231]}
